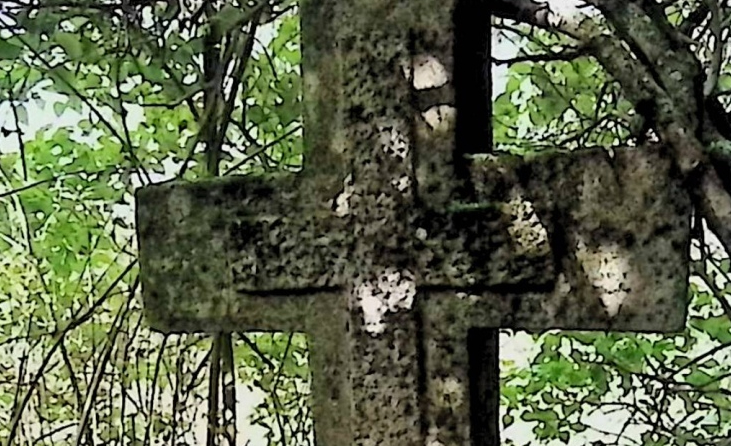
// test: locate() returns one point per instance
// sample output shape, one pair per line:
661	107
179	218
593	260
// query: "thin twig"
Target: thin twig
261	150
104	356
75	322
564	56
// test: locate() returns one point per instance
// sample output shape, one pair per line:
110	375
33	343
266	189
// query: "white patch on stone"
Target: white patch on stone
393	291
563	285
342	200
608	269
428	72
393	142
432	437
401	184
525	228
421	234
440	118
450	391
563	288
340	140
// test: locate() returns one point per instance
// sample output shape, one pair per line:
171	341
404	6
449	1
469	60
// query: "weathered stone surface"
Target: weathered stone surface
580	241
386	252
624	266
620	233
249	235
621	252
224	238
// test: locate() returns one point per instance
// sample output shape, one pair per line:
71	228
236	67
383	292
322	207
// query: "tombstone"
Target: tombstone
399	250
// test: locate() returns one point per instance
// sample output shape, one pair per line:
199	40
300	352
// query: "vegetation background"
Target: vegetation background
148	90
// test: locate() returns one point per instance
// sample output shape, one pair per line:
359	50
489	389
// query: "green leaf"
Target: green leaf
22	114
546	416
92	80
724	83
9	161
71	44
59	107
256	114
698	378
717	327
571	408
63	79
521	68
151	72
507	420
8	51
724	265
675	17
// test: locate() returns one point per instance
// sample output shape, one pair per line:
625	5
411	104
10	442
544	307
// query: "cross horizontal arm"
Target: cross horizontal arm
210	248
619	228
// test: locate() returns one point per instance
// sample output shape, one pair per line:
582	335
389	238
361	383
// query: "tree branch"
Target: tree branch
715	67
545	57
521	11
694	19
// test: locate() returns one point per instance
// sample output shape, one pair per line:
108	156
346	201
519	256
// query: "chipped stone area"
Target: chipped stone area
391	292
440	118
426	71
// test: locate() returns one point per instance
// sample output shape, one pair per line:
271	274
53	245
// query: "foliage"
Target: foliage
76	360
556	96
667	389
129	88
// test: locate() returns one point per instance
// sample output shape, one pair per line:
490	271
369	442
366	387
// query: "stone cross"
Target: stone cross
397	252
